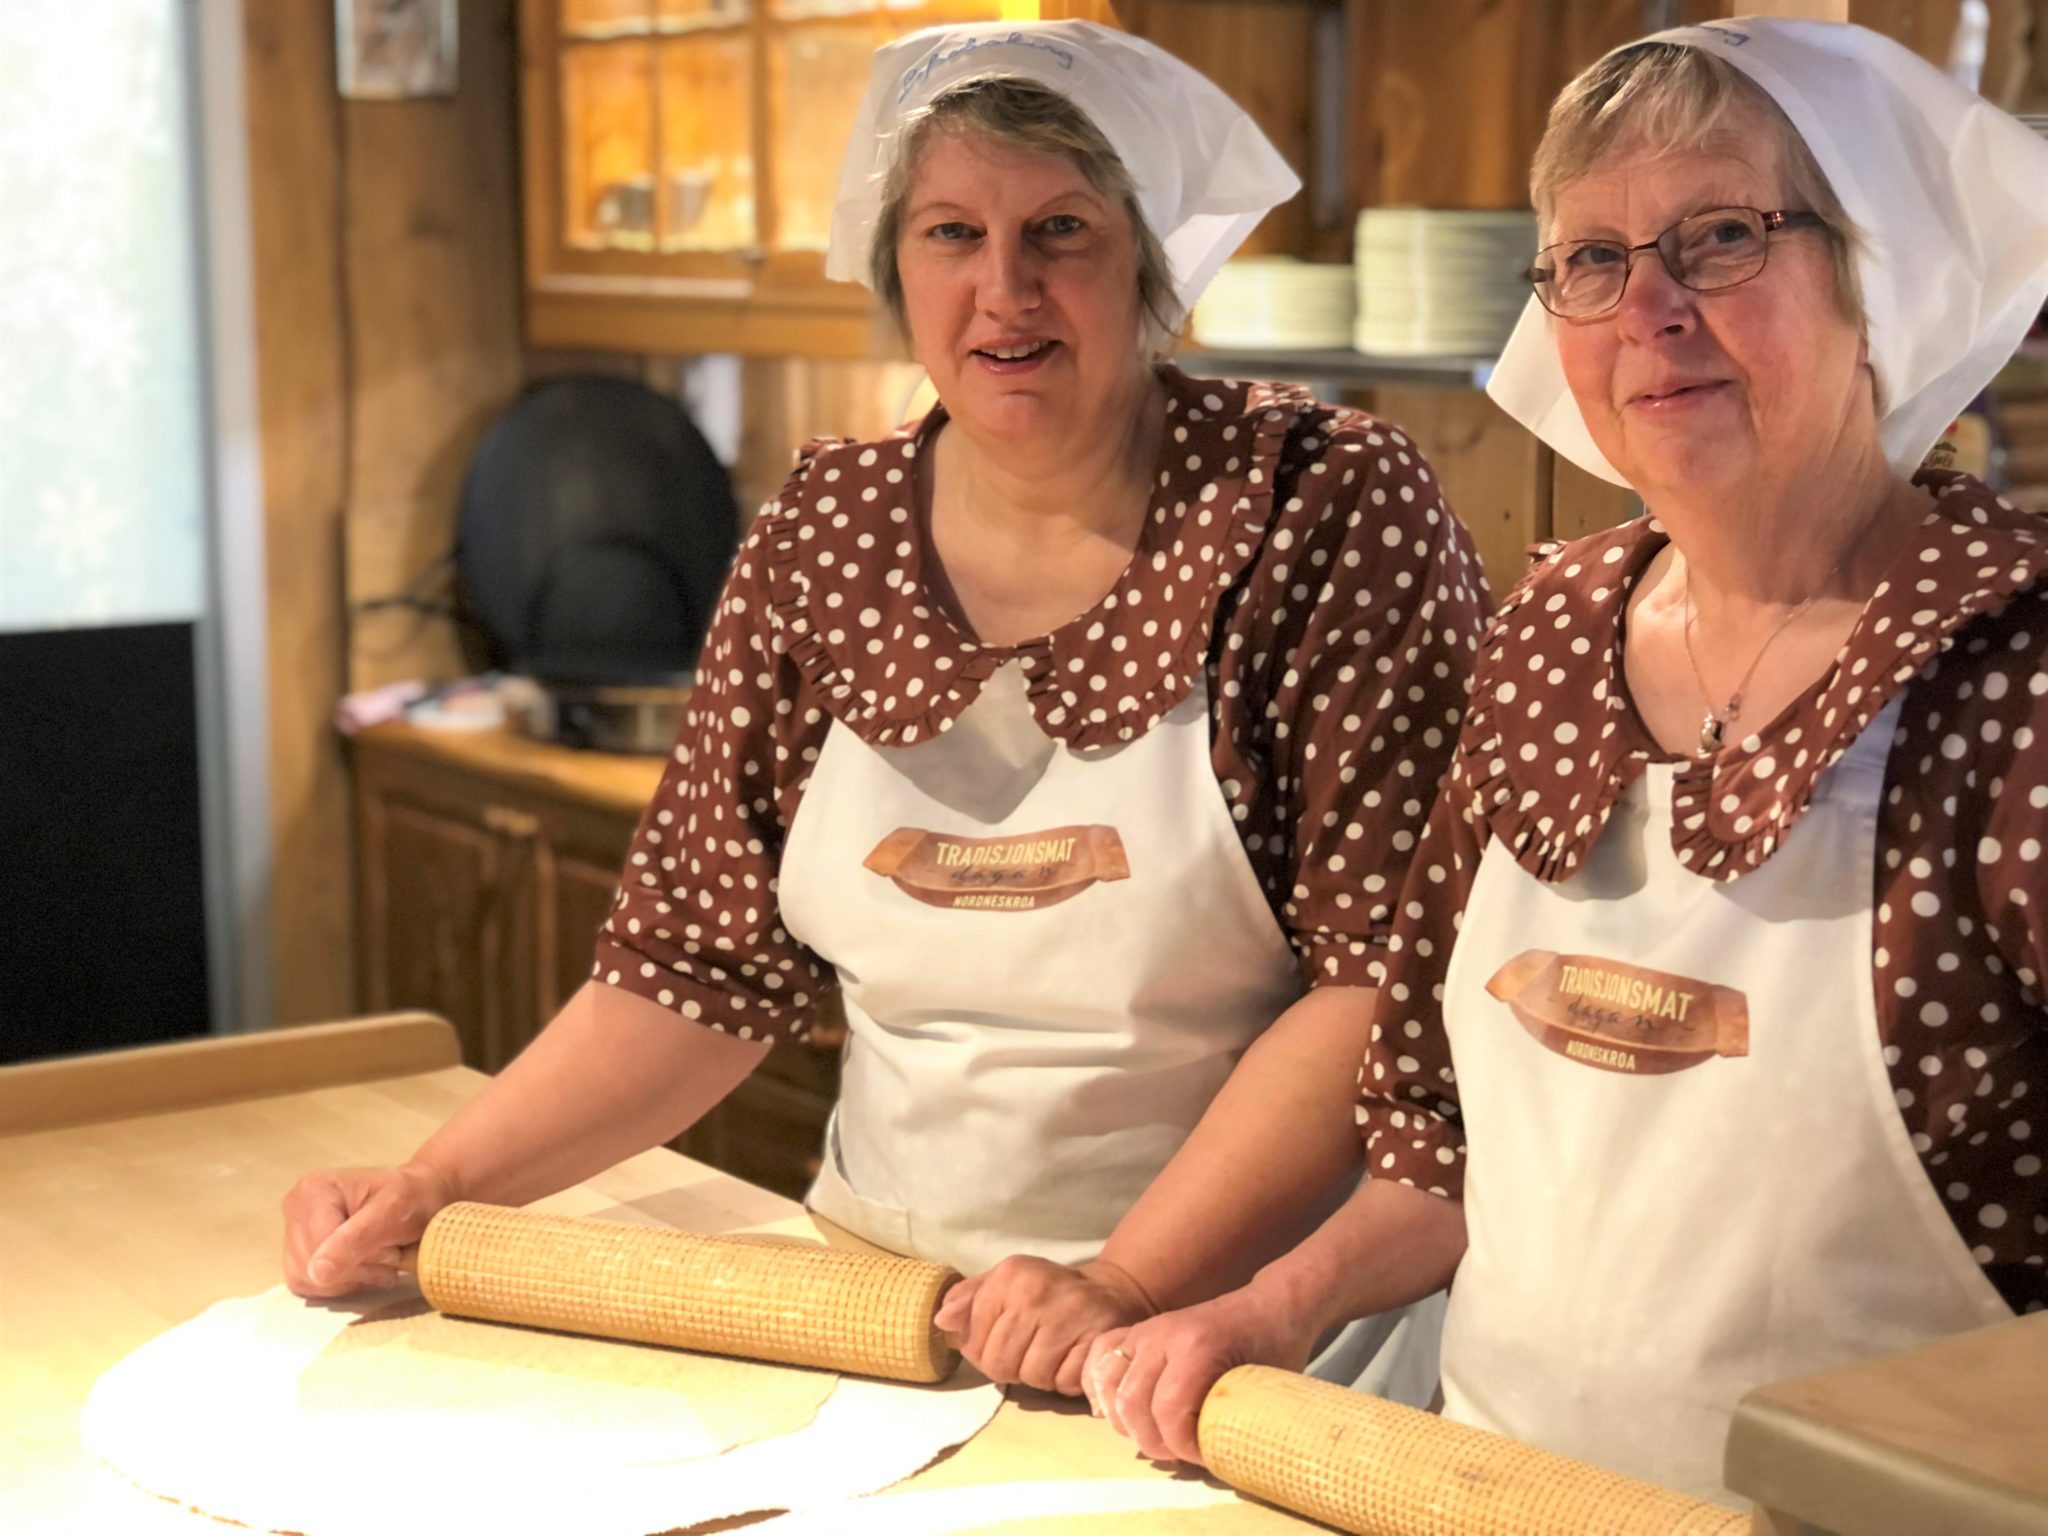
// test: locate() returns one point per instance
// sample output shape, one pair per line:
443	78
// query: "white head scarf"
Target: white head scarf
1205	174
1951	194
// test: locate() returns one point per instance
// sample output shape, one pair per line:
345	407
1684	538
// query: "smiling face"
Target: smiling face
1020	288
1698	391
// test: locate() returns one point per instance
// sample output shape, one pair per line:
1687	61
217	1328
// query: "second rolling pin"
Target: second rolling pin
1375	1468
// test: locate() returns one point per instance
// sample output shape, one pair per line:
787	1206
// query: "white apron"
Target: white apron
1688	1176
1050	959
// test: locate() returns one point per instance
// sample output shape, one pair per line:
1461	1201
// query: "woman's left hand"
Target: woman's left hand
1031	1321
1149	1381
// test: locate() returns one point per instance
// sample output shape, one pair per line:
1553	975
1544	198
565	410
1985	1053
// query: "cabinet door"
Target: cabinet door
583	894
433	933
770	1133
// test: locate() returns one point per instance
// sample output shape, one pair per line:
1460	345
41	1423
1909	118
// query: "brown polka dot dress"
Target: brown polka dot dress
1955	642
1299	562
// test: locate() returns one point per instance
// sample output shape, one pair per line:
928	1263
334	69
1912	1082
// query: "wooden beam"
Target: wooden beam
303	413
430	247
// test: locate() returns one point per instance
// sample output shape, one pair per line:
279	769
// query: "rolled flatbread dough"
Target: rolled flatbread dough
381	1419
488	1392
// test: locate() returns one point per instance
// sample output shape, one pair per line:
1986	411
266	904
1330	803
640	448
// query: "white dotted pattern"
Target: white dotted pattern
1960	944
1334	617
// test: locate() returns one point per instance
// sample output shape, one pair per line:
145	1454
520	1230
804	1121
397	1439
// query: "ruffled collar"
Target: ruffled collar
1552	740
851	609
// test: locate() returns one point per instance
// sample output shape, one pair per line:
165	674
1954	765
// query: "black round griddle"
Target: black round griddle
596	528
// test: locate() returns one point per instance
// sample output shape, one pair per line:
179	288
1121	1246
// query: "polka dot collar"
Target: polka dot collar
846	562
1552	740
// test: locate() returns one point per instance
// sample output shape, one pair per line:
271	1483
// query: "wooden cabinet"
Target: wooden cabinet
680	160
486	864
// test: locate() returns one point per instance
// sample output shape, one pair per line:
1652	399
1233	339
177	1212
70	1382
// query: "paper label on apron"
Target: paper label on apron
1618	1017
1000	874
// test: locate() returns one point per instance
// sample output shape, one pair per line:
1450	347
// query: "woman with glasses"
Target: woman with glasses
1716	995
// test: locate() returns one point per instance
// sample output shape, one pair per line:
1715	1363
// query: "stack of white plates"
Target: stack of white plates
1436	282
1277	301
2038	121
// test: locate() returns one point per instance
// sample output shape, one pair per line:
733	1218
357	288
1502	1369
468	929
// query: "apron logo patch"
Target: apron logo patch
1619	1017
999	874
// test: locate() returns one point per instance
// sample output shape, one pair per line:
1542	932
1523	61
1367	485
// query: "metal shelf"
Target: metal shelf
1337	367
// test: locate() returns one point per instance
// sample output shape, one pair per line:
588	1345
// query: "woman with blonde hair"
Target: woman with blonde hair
1077	735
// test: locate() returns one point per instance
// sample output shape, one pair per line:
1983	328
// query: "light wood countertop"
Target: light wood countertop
611	781
112	1230
115	1229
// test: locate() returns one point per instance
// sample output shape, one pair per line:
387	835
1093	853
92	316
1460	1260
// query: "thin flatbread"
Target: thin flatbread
258	1412
486	1392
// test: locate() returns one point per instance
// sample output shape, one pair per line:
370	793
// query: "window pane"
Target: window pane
608	145
818	71
102	459
707	131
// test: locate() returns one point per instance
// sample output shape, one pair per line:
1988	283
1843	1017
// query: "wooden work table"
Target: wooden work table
151	1189
138	1188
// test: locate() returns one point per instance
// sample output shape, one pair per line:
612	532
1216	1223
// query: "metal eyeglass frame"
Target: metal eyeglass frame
1773	221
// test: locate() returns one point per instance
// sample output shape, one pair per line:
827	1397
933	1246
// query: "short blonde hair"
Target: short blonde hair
1022	114
1670	96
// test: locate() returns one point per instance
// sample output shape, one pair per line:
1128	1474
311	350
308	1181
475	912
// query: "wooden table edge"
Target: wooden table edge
220	1069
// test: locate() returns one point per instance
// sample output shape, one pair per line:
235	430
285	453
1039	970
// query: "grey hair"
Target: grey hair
1022	114
1672	96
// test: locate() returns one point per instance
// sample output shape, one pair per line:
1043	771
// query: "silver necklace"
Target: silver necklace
1713	726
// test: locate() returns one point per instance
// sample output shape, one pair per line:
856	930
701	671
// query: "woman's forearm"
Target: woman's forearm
1275	1152
1388	1245
612	1075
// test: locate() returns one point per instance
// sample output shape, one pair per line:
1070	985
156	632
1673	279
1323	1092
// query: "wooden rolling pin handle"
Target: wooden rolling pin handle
409	1259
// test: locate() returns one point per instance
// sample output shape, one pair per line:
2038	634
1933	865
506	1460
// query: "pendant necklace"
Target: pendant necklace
1714	725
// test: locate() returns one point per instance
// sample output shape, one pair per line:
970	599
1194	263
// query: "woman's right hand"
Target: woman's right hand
343	1227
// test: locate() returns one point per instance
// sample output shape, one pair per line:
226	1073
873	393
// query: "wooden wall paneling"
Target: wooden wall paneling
431	253
1810	10
1581	503
293	204
1493	473
2034	93
1449	99
2009	51
1925	26
1263	57
786	401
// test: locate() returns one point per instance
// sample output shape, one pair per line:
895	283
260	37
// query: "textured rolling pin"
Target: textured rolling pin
796	1303
1376	1468
1352	1461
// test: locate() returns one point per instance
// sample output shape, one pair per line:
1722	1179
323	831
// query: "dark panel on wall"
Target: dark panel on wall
102	909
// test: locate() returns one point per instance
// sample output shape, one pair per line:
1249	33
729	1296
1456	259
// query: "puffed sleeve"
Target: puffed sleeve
696	926
2012	849
1407	1091
1362	620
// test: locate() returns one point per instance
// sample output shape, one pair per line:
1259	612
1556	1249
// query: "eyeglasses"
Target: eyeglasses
1718	249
